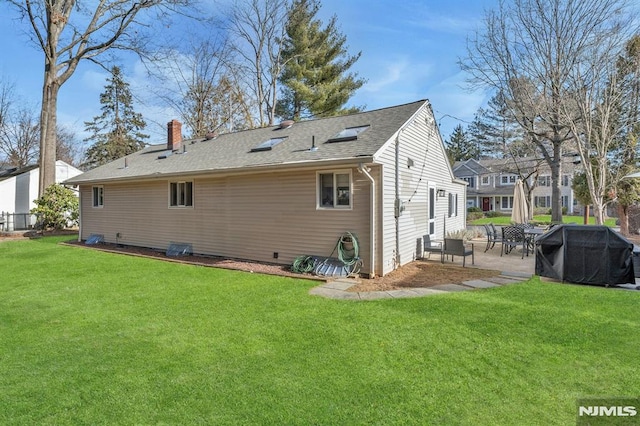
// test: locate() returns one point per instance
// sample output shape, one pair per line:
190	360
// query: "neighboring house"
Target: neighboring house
275	193
491	183
19	189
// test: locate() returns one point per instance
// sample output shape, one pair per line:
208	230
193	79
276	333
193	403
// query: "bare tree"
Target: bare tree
593	114
529	49
207	94
68	148
67	32
259	28
19	137
7	99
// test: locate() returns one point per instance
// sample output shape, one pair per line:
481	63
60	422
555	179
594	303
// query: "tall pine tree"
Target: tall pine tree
497	133
118	130
460	147
315	78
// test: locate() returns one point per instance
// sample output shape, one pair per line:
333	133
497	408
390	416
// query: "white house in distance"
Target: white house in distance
274	193
19	189
491	183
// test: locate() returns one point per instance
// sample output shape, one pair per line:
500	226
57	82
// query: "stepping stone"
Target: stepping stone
427	291
346	295
450	287
524	275
403	293
504	280
373	295
339	285
480	284
327	292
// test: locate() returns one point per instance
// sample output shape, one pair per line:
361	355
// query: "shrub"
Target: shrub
494	214
474	210
474	216
462	234
57	208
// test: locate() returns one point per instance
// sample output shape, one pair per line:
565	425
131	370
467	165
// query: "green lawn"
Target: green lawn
97	338
506	220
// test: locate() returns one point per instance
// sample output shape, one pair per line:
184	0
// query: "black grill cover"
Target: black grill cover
585	254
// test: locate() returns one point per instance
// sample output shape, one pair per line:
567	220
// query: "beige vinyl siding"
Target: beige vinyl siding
421	143
245	216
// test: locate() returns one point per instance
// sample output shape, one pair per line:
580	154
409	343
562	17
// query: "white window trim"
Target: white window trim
319	205
482	178
544	181
169	194
509	202
508	179
93	193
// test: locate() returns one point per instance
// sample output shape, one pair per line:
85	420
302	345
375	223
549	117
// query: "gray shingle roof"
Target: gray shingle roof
469	168
15	171
232	151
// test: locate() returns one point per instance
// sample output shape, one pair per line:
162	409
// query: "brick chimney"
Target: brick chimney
174	135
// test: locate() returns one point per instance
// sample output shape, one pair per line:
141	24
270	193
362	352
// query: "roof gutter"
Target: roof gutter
235	171
372	219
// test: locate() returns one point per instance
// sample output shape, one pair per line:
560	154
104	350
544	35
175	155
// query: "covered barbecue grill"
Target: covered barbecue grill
585	254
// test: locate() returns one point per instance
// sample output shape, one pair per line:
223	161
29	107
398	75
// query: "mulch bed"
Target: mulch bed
415	274
418	273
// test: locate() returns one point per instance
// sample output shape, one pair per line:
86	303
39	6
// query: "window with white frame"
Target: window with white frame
98	196
484	180
542	201
565	180
508	179
544	180
470	181
455	212
181	194
506	203
334	190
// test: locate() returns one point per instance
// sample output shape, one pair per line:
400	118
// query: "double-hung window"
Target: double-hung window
507	203
181	194
334	190
508	179
98	196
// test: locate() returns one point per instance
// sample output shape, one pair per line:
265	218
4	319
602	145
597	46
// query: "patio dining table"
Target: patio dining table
531	234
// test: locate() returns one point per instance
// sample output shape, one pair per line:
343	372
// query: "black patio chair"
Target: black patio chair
492	236
456	247
430	247
513	237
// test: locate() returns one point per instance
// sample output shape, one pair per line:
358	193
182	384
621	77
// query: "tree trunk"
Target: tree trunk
598	212
48	121
556	175
623	216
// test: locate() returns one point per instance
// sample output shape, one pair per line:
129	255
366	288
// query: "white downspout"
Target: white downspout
79	216
372	214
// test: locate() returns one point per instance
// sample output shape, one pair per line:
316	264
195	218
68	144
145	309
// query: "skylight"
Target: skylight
348	134
267	145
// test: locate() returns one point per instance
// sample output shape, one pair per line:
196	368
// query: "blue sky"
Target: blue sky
410	50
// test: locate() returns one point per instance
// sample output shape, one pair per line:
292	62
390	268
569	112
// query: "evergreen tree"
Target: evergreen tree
460	147
315	79
118	130
624	156
497	133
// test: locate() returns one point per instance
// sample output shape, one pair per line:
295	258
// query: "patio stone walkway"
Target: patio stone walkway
337	289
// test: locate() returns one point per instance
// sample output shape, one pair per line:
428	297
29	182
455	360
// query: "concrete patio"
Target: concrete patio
491	259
